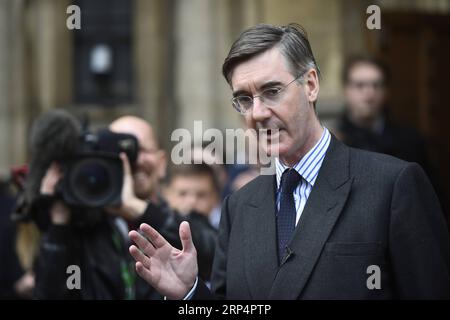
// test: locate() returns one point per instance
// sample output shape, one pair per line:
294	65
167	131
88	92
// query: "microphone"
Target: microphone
54	135
289	253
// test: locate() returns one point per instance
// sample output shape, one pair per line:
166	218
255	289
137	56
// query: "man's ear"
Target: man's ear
311	82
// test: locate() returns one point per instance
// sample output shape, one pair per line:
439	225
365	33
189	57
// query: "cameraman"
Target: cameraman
99	248
142	195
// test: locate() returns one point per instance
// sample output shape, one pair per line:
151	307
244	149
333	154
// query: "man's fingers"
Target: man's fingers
55	170
186	237
142	243
54	166
126	164
51	178
140	257
144	273
157	240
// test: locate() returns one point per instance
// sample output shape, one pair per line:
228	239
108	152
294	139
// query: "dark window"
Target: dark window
102	53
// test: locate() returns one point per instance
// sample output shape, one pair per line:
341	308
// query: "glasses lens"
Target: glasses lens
242	104
270	97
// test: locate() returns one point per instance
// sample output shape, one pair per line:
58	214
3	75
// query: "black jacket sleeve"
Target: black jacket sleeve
418	238
55	255
202	292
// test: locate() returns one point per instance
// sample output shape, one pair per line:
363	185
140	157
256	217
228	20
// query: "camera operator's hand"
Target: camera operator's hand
131	207
170	271
25	285
59	212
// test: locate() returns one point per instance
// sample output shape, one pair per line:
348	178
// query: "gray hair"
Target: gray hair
291	39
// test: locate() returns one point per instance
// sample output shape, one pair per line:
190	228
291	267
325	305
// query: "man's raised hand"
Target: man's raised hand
170	271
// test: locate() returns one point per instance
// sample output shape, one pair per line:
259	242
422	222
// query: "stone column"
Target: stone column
5	89
204	33
18	117
322	19
194	62
153	56
52	44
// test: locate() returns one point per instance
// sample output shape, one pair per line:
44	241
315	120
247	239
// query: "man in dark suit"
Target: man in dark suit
332	223
365	122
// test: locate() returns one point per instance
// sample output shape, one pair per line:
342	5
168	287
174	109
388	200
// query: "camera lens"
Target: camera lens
92	182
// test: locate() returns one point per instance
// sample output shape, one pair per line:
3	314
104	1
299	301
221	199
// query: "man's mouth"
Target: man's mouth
274	132
273	135
140	176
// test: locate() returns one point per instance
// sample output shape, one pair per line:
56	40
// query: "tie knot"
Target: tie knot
289	181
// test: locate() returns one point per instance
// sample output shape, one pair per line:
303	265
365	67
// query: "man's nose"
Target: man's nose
190	200
140	158
370	88
260	111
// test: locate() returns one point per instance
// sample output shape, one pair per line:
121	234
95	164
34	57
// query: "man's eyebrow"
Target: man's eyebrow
266	85
241	93
270	84
147	149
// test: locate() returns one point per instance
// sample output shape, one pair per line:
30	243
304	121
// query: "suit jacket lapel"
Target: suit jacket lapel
261	261
320	214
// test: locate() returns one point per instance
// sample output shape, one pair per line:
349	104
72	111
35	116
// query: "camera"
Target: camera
93	175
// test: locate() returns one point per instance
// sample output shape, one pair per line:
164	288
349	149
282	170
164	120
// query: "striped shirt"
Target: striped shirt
308	167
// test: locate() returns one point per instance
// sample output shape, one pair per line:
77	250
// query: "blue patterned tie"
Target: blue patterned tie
286	214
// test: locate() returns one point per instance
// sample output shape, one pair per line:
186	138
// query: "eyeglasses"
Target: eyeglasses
270	97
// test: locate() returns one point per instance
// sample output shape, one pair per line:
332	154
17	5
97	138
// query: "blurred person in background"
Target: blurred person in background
148	202
16	276
365	123
216	160
243	178
192	187
18	239
193	191
100	247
